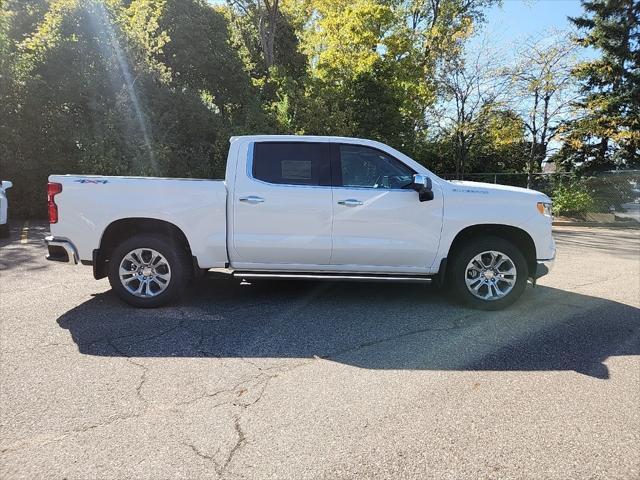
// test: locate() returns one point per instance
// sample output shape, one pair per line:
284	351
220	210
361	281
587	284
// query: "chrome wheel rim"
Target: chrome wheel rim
490	275
144	272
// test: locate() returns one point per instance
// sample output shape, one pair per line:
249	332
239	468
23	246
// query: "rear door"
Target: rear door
379	224
283	206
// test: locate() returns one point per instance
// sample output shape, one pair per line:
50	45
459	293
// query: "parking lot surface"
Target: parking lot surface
321	380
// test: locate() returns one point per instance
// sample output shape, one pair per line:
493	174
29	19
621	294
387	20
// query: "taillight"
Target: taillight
52	190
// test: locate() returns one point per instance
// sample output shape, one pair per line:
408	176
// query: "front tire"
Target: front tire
488	273
148	271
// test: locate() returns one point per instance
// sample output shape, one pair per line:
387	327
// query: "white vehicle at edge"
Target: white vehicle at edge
304	207
4	206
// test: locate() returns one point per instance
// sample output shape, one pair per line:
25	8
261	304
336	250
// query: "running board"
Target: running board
334	277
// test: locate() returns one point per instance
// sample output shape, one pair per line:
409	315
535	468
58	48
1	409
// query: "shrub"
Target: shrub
571	199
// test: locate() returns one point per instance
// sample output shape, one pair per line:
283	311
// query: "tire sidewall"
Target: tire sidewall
470	249
171	252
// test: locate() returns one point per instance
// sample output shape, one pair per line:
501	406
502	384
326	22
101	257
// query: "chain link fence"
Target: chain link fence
612	196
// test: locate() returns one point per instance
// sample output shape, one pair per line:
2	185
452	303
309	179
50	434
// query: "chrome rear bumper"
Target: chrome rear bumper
61	250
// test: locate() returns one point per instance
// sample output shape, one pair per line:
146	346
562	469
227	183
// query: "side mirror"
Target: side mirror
422	185
6	184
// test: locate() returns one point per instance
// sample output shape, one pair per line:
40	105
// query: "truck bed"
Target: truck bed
88	204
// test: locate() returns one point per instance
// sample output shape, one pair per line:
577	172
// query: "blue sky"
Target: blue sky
521	17
517	20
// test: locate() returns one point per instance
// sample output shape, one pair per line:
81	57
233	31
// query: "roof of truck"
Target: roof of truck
309	138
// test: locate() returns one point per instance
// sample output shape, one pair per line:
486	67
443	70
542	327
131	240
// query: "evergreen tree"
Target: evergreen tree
607	132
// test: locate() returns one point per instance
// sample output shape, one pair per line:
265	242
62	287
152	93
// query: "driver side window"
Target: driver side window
365	167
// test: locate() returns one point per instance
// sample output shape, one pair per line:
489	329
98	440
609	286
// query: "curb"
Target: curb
629	225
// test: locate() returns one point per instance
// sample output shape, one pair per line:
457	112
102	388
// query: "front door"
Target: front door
282	206
378	223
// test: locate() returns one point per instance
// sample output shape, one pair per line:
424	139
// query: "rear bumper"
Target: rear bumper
543	267
61	250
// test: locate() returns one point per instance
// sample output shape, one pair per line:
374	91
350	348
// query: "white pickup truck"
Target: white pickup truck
303	207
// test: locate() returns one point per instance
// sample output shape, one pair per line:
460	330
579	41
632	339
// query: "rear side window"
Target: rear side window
292	163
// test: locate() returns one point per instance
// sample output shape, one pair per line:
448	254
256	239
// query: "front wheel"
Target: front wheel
148	271
488	273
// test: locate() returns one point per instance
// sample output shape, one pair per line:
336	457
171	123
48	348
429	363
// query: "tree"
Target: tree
500	145
188	42
607	132
265	17
373	105
440	27
107	87
472	88
395	44
544	91
156	87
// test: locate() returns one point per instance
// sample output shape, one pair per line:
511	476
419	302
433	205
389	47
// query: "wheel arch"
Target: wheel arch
515	235
120	230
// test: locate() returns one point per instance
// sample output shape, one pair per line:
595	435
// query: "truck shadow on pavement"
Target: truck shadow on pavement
375	326
14	255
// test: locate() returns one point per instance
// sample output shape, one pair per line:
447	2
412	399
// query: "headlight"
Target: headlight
544	208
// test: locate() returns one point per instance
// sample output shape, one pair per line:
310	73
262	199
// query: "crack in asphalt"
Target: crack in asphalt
457	325
216	394
241	436
600	280
220	469
153	337
56	438
35	348
143	376
240	441
217	467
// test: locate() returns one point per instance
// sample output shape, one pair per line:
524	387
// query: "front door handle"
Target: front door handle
252	199
350	202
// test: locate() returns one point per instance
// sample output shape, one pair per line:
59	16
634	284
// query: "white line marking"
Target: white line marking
24	234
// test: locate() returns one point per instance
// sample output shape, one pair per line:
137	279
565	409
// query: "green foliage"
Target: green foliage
500	144
146	88
157	87
571	199
607	131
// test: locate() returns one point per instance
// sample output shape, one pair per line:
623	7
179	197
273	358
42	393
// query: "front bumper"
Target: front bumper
543	267
61	250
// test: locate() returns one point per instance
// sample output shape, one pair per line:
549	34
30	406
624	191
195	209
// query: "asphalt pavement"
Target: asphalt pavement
322	380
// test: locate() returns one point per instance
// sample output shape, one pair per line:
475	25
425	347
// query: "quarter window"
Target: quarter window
365	167
292	163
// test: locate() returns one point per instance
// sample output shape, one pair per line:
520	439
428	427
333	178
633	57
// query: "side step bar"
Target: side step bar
334	277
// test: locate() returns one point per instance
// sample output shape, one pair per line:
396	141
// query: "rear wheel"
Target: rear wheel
148	271
488	273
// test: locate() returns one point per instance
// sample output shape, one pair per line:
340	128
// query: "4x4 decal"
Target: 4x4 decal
96	182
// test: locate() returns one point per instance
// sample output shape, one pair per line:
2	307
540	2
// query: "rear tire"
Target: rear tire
488	273
149	271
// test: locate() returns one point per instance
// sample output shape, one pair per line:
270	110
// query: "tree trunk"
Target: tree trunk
267	30
531	162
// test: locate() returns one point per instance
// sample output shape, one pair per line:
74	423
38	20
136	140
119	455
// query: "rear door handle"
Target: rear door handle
350	202
252	199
